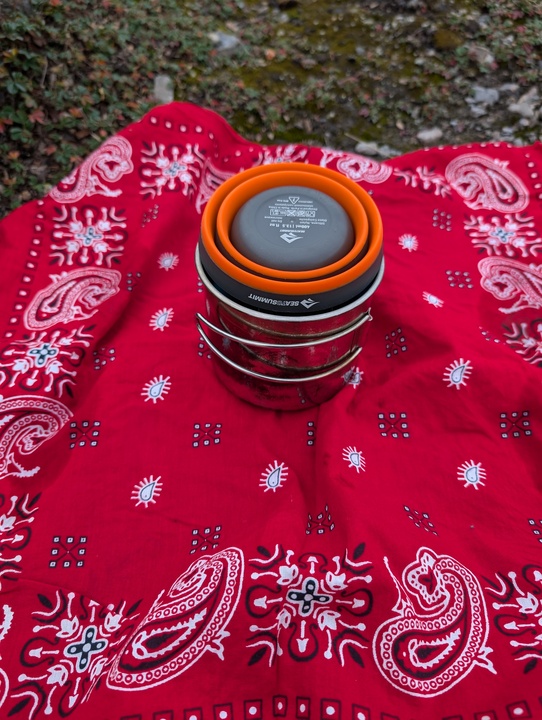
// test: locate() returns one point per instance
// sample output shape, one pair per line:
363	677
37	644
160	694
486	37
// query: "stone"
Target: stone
223	42
386	151
484	95
525	109
482	56
430	135
367	148
478	110
163	89
509	87
531	96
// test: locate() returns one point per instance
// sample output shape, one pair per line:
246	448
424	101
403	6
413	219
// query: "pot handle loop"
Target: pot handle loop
201	320
271	378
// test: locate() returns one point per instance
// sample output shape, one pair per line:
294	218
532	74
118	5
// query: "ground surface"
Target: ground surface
394	74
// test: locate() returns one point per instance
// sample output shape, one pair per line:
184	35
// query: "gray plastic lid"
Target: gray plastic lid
292	228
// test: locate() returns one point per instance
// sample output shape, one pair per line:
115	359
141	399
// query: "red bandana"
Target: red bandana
170	552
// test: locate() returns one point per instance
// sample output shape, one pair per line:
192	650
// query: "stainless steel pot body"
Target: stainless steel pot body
283	362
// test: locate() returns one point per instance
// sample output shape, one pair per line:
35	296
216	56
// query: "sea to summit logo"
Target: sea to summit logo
293	199
308	303
290	237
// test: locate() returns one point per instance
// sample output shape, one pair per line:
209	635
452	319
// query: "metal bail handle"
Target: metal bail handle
271	378
200	319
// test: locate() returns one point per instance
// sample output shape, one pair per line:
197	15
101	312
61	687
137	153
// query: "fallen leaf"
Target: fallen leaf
38	116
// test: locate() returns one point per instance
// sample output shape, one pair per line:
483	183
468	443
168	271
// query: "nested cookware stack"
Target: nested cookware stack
290	255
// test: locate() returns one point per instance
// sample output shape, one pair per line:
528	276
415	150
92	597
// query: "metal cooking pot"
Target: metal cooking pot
284	333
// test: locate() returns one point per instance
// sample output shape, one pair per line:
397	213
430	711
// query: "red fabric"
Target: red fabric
169	552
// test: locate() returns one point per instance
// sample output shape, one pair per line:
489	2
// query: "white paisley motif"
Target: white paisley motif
183	624
282	154
441	628
356	167
73	295
507	279
170	168
107	164
528	346
25	423
211	178
4	628
484	182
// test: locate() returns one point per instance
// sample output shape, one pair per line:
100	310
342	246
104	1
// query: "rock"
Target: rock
482	56
531	96
509	87
484	96
429	136
372	149
526	110
386	151
478	110
163	89
367	148
526	105
223	41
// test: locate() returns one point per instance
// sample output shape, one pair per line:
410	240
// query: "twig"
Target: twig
353	137
44	73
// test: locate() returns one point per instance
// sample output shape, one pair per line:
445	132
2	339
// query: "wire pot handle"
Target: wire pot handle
271	378
201	320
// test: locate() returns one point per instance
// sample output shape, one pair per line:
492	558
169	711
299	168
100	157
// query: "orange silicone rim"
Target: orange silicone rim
276	286
248	189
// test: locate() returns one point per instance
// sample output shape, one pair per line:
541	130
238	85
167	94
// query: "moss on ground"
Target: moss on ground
73	72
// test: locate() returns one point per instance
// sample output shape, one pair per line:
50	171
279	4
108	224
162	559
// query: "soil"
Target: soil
380	77
337	72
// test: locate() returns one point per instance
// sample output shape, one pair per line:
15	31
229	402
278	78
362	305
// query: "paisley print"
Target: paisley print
484	182
441	628
526	339
517	600
357	167
211	178
74	639
73	295
44	361
88	235
106	165
508	279
4	628
183	624
309	607
25	423
170	169
16	524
